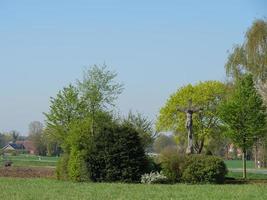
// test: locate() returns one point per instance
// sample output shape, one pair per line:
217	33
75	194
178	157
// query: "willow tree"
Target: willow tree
205	95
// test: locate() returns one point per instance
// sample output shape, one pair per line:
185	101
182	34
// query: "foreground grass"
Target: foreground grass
22	189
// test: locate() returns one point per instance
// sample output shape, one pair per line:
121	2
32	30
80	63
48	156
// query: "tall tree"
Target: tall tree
99	90
65	108
37	137
251	56
206	95
244	115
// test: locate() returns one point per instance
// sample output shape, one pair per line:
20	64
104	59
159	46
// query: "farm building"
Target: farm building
26	146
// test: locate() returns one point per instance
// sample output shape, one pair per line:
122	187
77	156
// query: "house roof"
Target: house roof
14	146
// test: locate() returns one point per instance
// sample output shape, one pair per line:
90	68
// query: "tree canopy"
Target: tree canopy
206	95
244	114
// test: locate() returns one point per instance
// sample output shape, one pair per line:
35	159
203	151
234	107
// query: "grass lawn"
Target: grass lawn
30	160
250	176
22	189
233	164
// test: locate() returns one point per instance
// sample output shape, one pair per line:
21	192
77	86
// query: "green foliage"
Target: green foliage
98	88
203	169
143	126
77	170
116	154
244	114
152	165
65	108
171	164
62	167
206	95
251	56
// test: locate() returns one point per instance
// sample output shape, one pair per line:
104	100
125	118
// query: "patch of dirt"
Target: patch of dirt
27	172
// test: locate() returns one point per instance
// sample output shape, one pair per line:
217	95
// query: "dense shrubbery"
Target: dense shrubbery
192	168
204	169
116	154
171	164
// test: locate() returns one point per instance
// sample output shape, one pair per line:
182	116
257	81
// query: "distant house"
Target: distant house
26	146
13	147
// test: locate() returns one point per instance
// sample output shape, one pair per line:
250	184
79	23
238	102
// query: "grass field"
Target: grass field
233	164
23	160
27	189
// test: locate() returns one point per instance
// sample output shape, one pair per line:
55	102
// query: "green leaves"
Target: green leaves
244	114
206	95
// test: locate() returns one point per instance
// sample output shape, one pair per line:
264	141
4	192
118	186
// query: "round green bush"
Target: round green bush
116	154
203	169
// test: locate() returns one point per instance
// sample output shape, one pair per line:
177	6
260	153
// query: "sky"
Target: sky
155	46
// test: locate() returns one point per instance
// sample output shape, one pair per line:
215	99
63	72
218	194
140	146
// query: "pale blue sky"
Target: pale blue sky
155	47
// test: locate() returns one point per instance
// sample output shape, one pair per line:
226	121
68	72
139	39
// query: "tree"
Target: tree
162	142
37	137
15	135
65	108
143	126
251	56
244	115
205	95
99	90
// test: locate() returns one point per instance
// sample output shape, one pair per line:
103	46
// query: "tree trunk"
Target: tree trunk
244	164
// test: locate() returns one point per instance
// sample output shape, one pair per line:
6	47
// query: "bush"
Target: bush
77	170
154	178
204	169
152	165
62	167
116	154
171	164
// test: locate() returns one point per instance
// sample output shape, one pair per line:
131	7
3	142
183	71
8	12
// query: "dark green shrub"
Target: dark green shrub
77	170
152	165
204	169
171	163
116	154
62	167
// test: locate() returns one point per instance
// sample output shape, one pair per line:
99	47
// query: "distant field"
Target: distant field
32	160
24	160
27	189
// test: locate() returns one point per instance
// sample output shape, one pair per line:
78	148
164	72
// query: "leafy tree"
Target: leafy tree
251	56
37	137
99	90
143	126
65	108
15	135
206	95
244	115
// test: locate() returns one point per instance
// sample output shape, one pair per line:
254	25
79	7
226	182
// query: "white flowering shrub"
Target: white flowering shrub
154	178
